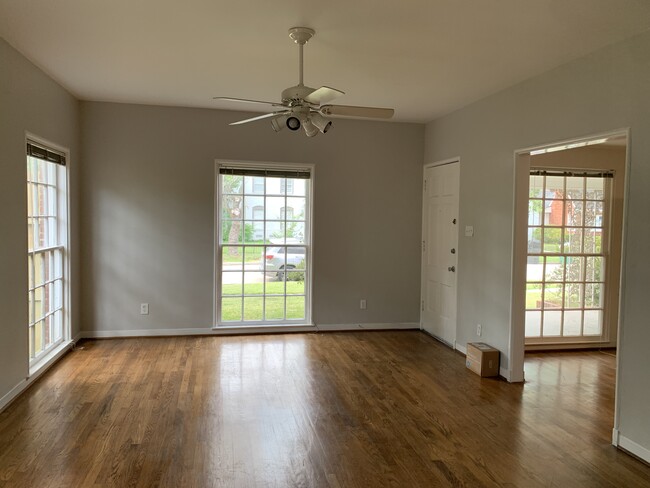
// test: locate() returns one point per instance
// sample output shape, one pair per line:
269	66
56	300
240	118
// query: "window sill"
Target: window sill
264	328
43	364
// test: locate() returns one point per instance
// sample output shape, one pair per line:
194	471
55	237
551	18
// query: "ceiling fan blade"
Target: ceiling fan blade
245	100
350	111
323	95
259	117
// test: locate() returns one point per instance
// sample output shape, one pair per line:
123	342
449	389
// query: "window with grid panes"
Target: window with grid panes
46	254
567	253
263	246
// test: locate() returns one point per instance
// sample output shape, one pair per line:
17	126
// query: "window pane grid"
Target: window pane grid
263	249
44	316
566	260
45	257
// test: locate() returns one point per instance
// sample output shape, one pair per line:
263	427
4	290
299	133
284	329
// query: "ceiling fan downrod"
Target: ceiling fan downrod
301	36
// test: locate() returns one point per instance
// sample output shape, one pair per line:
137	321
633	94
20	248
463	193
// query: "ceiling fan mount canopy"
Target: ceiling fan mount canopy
306	106
301	35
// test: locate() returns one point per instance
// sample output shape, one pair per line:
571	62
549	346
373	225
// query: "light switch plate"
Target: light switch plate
469	231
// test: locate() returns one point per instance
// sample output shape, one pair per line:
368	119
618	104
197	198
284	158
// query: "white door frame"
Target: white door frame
423	237
515	372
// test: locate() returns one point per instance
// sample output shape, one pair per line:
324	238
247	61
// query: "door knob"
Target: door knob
452	269
453	250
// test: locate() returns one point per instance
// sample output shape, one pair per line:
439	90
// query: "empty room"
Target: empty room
356	244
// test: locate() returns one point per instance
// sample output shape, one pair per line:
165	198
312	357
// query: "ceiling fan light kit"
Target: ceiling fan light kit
293	123
306	107
279	122
321	122
310	129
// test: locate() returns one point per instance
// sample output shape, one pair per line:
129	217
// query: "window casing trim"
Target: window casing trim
272	169
63	153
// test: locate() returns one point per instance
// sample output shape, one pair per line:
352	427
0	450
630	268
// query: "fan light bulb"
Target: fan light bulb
293	123
310	129
280	122
321	122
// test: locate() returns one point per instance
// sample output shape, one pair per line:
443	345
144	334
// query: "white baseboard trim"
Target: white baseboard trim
222	330
460	348
13	393
615	437
505	373
22	385
228	330
374	326
441	341
632	447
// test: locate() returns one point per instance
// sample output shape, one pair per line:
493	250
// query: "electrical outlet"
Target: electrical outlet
479	330
144	309
362	304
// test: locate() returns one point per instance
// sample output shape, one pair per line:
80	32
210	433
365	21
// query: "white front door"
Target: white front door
440	251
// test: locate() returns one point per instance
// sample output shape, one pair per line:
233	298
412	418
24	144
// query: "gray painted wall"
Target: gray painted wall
32	102
147	194
606	90
147	197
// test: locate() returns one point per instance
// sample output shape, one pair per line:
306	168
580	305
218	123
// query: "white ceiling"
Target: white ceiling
425	58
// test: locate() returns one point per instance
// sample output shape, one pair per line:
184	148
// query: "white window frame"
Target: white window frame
63	231
309	193
604	254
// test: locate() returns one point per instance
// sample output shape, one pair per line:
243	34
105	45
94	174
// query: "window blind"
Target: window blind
40	152
302	173
587	174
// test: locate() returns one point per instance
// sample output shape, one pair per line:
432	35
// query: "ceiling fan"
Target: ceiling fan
306	107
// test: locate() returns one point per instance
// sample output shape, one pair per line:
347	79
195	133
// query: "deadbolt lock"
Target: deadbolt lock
453	251
451	268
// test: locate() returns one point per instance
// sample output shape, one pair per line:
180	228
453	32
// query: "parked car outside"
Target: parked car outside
275	262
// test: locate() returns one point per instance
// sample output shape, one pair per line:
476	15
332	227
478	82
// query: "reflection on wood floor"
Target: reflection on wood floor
345	410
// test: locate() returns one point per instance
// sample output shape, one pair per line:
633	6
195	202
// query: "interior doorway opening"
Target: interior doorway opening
567	259
573	247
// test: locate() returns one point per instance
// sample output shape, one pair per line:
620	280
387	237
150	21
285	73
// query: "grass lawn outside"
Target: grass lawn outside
231	306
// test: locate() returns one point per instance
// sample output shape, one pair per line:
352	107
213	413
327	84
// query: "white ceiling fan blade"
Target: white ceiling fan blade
245	100
323	95
350	111
253	119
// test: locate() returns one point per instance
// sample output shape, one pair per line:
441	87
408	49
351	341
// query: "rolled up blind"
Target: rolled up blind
40	152
301	173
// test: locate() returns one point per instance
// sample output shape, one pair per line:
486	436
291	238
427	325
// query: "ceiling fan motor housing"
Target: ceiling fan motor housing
296	94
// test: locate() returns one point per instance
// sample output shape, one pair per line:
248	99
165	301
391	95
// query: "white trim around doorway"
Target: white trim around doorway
517	340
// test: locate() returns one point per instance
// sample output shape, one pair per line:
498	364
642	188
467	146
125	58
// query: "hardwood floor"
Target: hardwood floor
346	410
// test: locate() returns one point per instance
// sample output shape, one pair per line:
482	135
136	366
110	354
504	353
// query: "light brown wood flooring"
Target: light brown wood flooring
348	410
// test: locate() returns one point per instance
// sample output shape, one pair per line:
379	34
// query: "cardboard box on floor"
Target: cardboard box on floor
482	359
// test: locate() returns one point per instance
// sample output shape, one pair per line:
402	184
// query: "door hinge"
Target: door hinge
423	305
425	185
424	247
